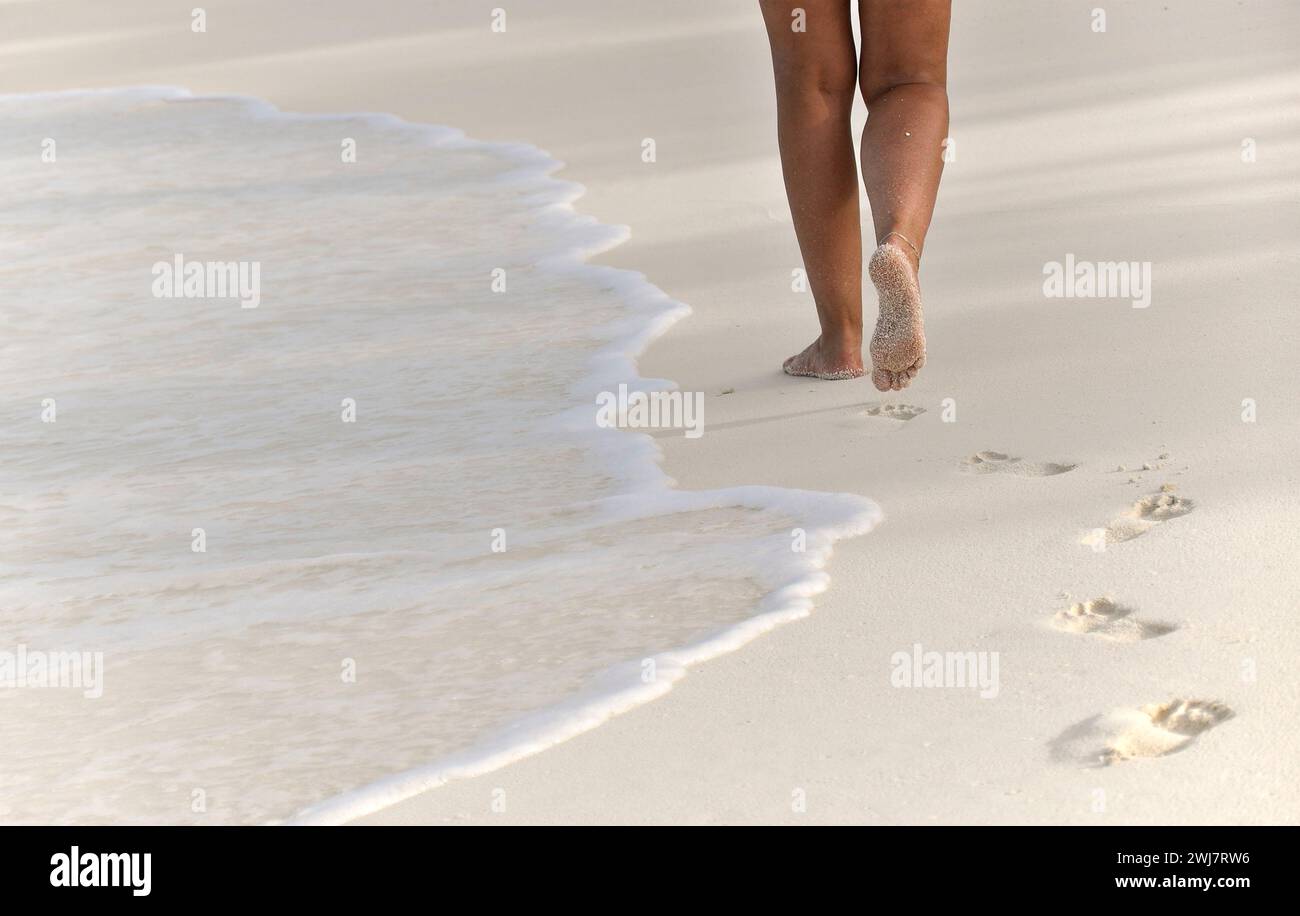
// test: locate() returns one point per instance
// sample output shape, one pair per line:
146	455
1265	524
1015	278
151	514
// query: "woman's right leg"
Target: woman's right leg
816	69
904	73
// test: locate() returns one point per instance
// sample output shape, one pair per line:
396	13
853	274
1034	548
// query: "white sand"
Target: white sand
1124	145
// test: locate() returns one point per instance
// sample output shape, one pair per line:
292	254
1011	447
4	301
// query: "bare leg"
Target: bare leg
816	76
903	76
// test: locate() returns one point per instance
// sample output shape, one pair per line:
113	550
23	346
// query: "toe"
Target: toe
880	378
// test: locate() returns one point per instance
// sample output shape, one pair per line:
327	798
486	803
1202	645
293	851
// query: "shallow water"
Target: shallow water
348	620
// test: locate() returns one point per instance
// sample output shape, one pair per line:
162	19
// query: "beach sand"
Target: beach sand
1117	146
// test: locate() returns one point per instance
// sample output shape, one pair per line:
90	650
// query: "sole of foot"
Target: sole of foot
898	344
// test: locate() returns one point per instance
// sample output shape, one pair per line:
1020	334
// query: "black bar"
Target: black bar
224	865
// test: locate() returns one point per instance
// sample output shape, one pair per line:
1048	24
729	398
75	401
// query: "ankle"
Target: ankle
843	341
902	243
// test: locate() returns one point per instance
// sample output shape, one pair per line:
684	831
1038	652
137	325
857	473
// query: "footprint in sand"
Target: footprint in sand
901	412
1105	619
1140	518
1151	731
998	463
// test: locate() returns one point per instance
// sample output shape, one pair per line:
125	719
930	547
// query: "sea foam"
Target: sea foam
363	537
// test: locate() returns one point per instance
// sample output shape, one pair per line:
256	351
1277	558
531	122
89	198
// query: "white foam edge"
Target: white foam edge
631	457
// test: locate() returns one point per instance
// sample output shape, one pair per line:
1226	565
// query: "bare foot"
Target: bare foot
898	345
826	362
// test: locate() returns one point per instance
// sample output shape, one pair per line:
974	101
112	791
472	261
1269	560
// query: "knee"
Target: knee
874	85
804	75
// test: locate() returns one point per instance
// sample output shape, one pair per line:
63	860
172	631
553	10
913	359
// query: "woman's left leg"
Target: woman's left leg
816	68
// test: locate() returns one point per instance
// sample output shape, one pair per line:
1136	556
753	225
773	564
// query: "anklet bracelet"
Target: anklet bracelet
905	239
